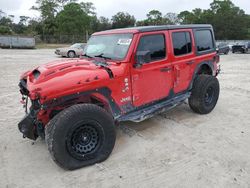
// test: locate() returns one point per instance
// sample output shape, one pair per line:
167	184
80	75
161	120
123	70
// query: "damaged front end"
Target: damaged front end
29	126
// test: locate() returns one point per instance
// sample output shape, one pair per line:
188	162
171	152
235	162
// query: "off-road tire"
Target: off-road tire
59	129
200	101
71	54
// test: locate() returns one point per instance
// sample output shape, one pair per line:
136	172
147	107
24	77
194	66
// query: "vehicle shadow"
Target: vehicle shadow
180	116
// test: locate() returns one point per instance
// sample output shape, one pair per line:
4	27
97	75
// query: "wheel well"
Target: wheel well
87	99
96	101
205	69
102	102
70	51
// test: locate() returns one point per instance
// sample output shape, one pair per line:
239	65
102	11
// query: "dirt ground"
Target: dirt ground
176	149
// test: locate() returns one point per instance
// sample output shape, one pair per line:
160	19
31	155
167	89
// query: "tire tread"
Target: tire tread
53	125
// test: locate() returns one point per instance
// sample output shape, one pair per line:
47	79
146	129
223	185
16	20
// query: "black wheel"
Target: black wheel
204	94
80	135
71	54
226	52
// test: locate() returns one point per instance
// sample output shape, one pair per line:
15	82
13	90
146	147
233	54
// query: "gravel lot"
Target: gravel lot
176	149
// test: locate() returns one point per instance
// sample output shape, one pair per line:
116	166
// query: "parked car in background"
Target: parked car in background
248	45
223	48
240	47
230	45
73	51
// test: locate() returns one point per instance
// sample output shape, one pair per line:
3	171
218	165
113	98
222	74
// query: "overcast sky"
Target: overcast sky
107	8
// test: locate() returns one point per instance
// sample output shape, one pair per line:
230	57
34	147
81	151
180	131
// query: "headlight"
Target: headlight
23	87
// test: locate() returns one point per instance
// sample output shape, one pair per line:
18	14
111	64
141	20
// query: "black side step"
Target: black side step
149	111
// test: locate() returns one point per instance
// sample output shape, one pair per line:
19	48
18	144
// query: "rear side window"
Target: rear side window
204	40
155	44
182	43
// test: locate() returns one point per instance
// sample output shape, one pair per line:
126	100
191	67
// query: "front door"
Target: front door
152	80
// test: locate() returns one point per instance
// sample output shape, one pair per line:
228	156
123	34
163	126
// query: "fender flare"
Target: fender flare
103	94
198	67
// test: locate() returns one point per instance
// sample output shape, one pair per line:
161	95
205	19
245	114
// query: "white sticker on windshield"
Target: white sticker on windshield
124	41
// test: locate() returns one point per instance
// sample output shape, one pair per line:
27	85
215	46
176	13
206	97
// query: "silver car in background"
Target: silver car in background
73	51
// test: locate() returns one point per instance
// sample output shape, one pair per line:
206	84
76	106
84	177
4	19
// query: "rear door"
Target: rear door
182	58
153	80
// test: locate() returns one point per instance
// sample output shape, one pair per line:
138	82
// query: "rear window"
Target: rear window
181	43
204	40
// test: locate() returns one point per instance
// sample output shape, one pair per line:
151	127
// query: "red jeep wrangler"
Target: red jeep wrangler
124	75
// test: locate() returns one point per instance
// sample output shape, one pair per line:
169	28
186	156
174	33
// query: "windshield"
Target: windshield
114	46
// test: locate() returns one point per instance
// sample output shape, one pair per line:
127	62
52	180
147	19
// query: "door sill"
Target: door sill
151	110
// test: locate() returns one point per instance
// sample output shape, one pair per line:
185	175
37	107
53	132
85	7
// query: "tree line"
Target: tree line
69	17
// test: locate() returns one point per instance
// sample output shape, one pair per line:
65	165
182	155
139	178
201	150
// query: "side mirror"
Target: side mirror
141	58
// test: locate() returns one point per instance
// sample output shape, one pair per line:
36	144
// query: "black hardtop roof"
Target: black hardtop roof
169	27
159	28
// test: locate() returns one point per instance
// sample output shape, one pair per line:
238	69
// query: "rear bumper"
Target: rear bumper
27	127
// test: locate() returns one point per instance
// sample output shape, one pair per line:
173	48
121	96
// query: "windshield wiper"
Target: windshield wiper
100	63
102	56
85	55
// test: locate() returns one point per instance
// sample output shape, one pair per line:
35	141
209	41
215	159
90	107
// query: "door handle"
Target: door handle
166	69
190	63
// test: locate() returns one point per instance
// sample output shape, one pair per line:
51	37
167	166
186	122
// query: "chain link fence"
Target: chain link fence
232	41
61	39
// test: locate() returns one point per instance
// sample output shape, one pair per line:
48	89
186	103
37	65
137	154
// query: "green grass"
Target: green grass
50	46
